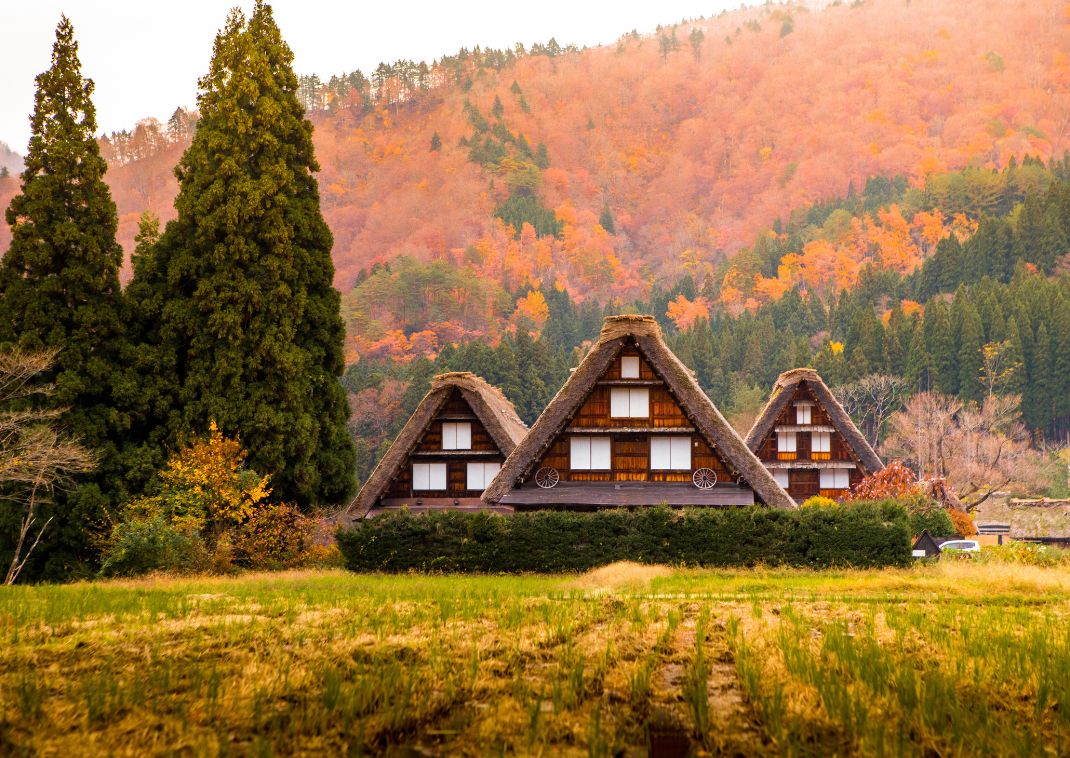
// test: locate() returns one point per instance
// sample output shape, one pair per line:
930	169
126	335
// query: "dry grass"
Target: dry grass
621	575
944	659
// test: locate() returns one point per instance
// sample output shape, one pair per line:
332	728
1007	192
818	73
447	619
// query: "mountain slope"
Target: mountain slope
694	145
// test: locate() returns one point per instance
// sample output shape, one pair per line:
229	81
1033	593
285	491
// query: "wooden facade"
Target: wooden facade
430	451
452	446
631	427
807	441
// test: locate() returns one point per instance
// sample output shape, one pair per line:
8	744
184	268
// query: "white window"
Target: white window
629	402
670	453
481	474
782	477
802	413
429	476
590	453
785	442
456	436
821	442
835	478
629	367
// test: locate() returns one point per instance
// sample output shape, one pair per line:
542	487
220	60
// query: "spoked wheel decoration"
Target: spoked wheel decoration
704	478
547	477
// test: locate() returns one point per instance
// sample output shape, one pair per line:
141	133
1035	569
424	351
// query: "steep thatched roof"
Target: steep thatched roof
784	390
492	408
1039	519
680	380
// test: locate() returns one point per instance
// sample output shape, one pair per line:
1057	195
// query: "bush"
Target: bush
274	536
963	522
817	501
862	534
893	481
153	544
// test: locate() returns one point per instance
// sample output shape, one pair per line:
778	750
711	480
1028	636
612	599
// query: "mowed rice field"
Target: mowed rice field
946	659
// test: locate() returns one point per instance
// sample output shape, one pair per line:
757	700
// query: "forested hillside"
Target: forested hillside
601	171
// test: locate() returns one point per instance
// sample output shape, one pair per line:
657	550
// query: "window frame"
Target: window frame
483	473
431	466
629	367
454	428
632	394
677	444
782	439
577	441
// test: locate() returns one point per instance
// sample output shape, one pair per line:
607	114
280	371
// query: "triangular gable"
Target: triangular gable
787	386
642	331
487	403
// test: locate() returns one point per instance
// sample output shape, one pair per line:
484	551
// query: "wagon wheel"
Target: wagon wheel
704	478
547	477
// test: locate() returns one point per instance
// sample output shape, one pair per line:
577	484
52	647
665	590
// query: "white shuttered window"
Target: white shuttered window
456	436
590	454
802	413
782	477
429	476
670	453
629	367
835	478
481	474
629	402
785	442
821	442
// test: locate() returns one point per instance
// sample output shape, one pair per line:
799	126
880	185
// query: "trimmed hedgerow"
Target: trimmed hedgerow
860	535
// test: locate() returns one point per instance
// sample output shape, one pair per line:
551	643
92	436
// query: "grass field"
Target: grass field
942	659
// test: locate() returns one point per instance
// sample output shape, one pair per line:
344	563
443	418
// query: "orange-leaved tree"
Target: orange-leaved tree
206	486
894	481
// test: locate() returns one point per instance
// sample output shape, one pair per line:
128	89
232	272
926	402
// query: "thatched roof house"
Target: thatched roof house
632	427
450	448
1040	520
805	437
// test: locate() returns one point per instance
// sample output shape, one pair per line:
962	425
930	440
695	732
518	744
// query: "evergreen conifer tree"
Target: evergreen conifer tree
59	290
971	341
249	311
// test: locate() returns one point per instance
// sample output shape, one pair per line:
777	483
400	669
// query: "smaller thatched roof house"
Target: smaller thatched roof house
631	427
451	447
1042	520
807	440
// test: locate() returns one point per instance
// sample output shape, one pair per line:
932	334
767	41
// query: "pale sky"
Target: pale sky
145	55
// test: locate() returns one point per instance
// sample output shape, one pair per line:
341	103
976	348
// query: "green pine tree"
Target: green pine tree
250	314
971	340
605	220
59	290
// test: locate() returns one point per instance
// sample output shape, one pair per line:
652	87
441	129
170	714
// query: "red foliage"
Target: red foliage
894	481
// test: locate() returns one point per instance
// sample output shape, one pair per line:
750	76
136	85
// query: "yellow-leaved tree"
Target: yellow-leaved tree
206	486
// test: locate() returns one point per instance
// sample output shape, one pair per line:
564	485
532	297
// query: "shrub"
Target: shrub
893	481
963	522
871	534
274	536
153	544
817	501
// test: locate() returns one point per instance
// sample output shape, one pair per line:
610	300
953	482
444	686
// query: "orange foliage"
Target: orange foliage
684	313
693	152
533	309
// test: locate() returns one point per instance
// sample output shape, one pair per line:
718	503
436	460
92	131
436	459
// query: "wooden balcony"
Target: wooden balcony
782	456
816	456
834	494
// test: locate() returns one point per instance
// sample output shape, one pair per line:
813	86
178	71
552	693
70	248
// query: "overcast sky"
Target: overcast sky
145	55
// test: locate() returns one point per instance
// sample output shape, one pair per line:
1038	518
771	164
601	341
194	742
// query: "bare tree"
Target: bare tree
978	449
35	458
871	401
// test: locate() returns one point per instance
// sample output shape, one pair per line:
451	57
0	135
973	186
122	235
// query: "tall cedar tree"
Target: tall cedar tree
249	317
59	289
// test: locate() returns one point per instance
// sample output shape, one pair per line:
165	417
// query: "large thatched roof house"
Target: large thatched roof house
447	452
632	427
807	440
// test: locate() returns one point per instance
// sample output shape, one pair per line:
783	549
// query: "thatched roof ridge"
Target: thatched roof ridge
489	404
644	330
784	390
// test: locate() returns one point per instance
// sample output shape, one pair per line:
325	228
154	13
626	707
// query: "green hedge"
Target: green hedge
867	535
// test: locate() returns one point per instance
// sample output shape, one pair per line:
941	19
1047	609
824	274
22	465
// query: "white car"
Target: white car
964	546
